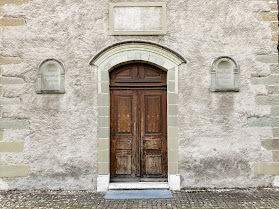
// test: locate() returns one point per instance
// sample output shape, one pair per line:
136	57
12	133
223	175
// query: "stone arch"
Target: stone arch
123	53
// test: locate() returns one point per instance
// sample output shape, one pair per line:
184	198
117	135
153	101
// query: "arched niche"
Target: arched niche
138	52
51	77
224	75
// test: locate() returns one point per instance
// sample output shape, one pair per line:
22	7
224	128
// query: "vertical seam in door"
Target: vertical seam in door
139	135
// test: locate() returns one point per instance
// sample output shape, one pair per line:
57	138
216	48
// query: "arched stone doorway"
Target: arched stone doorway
135	52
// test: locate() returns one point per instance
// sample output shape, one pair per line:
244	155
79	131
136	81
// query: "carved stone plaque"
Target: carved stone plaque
141	18
224	75
51	77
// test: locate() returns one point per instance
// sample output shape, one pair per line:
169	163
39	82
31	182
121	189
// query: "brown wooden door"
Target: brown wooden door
138	122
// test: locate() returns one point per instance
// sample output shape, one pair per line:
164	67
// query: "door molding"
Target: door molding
123	53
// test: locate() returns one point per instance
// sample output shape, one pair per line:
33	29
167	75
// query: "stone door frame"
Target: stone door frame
123	53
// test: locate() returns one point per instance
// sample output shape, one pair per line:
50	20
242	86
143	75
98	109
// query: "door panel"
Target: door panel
124	132
153	133
153	114
123	113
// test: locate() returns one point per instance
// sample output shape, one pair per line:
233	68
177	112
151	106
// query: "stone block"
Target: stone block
172	98
103	183
13	124
103	156
104	122
272	79
104	76
275	132
171	86
266	168
11	80
263	122
274	26
9	101
16	2
172	156
174	181
173	168
11	146
104	144
274	36
272	58
267	100
172	132
274	69
173	143
9	60
11	21
171	75
273	6
105	87
103	99
275	155
172	109
103	168
275	111
273	89
103	111
271	144
1	135
269	16
13	171
104	132
173	121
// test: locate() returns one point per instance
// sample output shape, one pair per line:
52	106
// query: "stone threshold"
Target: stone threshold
138	185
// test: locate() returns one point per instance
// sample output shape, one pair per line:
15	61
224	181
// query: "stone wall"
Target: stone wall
226	139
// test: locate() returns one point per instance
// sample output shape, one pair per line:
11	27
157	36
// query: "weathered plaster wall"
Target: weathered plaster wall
217	148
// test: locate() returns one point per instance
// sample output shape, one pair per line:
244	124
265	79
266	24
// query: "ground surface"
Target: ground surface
220	198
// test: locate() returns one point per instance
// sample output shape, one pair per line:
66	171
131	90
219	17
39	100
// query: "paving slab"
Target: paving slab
189	198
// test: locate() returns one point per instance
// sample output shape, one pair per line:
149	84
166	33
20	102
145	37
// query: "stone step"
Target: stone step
138	185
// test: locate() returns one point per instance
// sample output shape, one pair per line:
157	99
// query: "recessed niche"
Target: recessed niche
224	75
51	77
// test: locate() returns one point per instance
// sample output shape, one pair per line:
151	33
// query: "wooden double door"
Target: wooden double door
138	125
